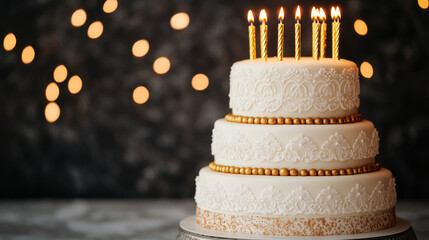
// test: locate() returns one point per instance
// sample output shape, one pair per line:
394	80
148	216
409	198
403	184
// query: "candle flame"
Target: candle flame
250	18
335	13
263	16
315	15
322	15
281	14
338	12
298	14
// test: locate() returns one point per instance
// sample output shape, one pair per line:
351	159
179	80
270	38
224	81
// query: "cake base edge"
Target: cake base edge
190	230
296	226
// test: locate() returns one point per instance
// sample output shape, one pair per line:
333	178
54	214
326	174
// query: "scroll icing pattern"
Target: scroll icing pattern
212	196
236	147
297	90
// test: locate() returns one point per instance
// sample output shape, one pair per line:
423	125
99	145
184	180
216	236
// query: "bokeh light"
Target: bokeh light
95	30
9	42
360	27
110	6
200	82
424	4
140	95
28	54
161	65
366	70
179	21
52	92
52	112
75	84
60	73
140	48
78	18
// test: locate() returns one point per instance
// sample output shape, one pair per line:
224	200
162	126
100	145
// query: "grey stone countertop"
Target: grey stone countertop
127	219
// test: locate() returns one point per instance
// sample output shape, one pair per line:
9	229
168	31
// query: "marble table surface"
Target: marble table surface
126	219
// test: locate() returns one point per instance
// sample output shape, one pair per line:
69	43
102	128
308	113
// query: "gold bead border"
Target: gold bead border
372	167
288	120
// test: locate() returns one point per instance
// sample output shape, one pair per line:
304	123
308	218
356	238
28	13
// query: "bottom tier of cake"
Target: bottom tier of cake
295	205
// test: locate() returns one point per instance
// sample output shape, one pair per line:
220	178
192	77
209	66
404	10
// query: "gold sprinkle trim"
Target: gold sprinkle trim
289	121
372	167
296	226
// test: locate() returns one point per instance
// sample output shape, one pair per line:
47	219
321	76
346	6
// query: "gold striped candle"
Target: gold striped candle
316	33
280	37
264	35
298	34
252	36
323	33
336	16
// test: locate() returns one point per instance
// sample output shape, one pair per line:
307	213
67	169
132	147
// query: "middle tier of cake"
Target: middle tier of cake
334	146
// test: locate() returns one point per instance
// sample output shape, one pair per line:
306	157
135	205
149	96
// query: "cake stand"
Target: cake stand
190	230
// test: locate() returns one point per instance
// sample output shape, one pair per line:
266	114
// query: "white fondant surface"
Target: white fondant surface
332	146
295	195
290	88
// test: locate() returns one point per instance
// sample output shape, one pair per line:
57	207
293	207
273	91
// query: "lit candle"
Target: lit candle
264	35
316	32
252	36
336	17
280	37
323	33
297	34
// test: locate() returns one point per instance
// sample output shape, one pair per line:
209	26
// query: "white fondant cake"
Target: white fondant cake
295	146
290	88
277	205
309	177
295	196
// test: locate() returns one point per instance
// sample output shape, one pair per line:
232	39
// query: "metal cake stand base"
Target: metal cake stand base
190	230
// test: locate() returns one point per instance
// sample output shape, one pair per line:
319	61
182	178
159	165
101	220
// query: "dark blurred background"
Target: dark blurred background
105	145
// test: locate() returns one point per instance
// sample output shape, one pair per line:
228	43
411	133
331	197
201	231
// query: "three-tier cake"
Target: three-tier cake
295	157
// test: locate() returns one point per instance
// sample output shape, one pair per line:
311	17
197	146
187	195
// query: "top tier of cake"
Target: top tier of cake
297	89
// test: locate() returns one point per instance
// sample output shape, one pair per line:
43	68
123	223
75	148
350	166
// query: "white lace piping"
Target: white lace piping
268	90
266	148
